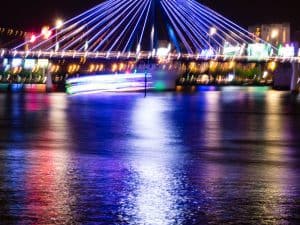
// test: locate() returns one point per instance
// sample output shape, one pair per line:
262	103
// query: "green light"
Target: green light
160	86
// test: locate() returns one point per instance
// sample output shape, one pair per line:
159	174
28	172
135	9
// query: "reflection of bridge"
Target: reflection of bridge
131	29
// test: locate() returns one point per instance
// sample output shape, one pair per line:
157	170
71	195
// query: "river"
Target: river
211	157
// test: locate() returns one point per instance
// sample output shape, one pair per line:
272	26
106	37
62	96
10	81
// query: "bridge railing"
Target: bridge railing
138	56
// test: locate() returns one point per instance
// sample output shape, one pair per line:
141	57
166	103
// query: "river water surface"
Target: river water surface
215	157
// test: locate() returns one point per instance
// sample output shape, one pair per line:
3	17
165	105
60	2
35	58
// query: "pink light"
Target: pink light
107	78
32	38
108	83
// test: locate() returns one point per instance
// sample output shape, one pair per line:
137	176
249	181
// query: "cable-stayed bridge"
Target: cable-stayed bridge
129	27
134	30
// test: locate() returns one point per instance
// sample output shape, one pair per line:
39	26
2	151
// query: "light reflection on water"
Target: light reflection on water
155	199
212	157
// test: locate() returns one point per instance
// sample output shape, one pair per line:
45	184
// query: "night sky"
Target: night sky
30	15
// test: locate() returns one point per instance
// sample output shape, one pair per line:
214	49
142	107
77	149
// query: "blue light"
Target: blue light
117	25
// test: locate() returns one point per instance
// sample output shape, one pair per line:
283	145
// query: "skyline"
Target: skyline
45	13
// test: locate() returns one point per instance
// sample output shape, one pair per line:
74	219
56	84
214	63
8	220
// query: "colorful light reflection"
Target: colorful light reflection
109	83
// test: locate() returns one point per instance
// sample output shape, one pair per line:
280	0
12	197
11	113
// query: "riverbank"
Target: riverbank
42	88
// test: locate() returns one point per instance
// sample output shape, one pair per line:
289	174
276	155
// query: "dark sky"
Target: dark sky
30	15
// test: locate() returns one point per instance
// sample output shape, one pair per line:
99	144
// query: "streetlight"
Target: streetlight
58	25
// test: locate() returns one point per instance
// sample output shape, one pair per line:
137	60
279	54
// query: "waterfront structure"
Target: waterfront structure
274	33
128	32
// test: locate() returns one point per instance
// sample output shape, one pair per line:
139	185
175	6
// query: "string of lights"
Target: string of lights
12	32
121	25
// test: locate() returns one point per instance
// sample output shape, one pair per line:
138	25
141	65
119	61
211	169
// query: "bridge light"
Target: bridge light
46	32
121	66
212	31
91	68
114	67
86	45
101	67
192	65
59	23
138	48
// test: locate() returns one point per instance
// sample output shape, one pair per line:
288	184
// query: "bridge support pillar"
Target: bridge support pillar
49	83
294	79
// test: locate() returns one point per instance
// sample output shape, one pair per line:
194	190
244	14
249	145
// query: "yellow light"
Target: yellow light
231	65
59	24
114	67
54	68
101	67
192	65
35	68
213	65
272	65
121	67
92	68
274	33
46	32
77	68
73	68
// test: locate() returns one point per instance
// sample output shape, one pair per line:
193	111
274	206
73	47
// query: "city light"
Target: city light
29	63
274	33
286	51
272	66
59	23
259	51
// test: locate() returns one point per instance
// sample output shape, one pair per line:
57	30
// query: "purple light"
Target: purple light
194	22
114	25
134	30
181	36
108	83
111	22
111	8
97	10
125	29
117	26
190	23
112	18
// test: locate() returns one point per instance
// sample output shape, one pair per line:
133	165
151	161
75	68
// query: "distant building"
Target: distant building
276	34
